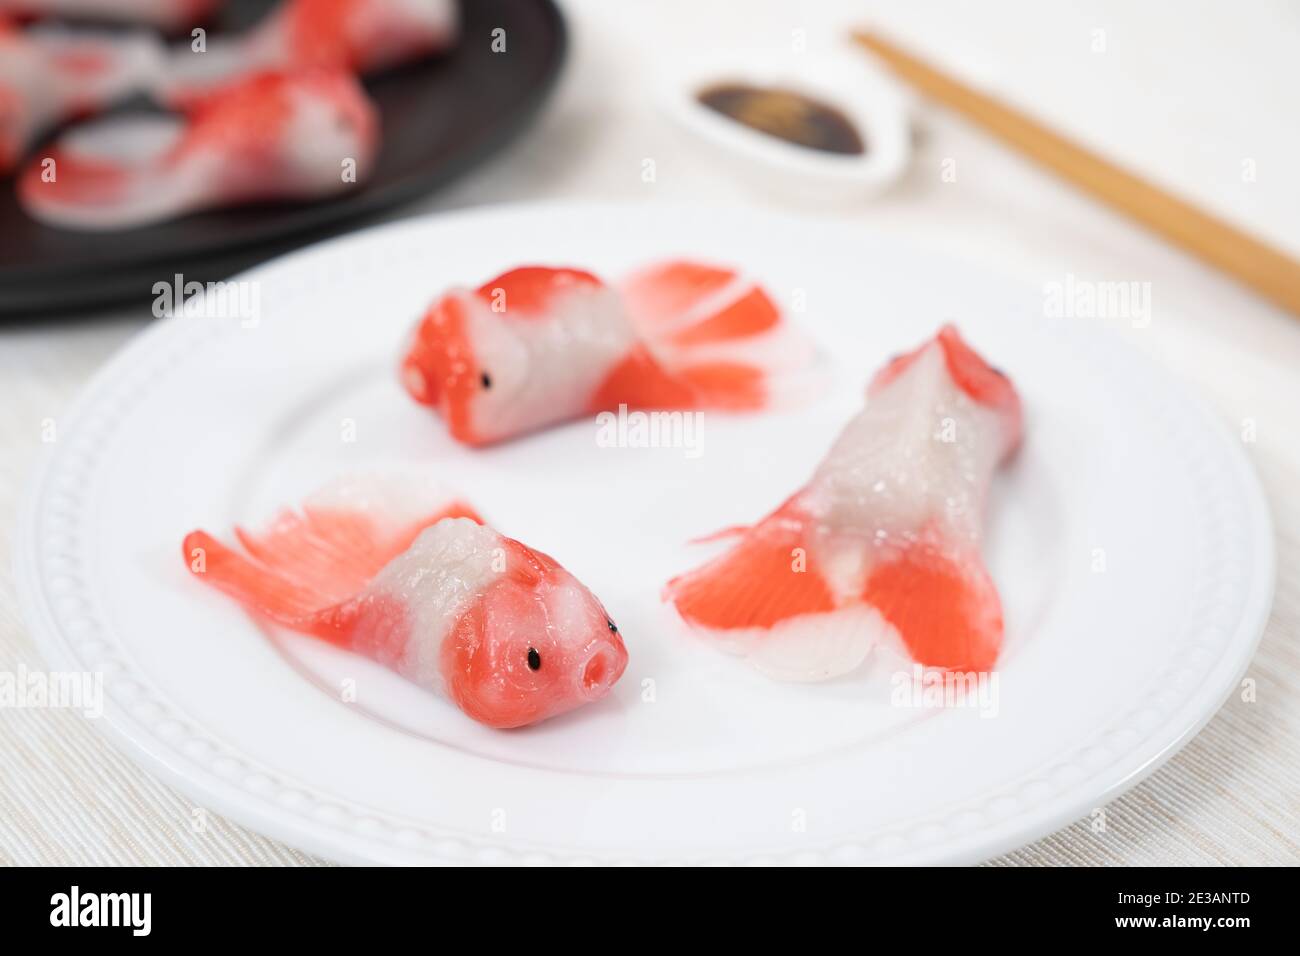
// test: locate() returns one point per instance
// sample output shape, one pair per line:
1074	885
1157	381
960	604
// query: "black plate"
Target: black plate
439	117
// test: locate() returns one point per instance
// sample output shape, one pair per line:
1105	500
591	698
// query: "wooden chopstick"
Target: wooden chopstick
1263	268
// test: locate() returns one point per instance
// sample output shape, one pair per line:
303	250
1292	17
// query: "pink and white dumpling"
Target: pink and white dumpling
272	137
167	15
414	580
363	36
52	75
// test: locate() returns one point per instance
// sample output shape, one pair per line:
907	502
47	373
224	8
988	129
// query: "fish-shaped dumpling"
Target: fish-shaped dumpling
275	136
361	36
884	542
537	346
168	15
49	76
432	593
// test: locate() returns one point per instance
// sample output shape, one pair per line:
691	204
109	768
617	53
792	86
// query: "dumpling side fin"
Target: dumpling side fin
767	577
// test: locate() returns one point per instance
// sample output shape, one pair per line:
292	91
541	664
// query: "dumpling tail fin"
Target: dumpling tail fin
716	332
261	590
76	185
303	570
943	604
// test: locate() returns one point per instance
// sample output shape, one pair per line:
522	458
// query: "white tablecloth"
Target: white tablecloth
1195	95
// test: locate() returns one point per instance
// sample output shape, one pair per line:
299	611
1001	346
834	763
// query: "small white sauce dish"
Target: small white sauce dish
845	81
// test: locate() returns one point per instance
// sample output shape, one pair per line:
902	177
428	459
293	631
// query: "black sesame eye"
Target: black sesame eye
612	626
534	659
997	371
486	379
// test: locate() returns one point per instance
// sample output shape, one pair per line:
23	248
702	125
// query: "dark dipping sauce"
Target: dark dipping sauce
788	116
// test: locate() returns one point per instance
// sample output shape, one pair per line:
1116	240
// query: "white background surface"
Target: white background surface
1184	93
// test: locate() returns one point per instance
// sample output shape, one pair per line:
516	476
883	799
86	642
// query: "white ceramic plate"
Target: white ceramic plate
694	757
